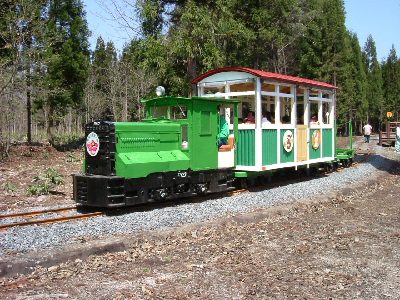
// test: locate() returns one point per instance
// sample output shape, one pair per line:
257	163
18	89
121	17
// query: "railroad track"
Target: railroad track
362	156
32	214
28	217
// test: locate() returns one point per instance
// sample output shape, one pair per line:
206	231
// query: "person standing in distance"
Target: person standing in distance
397	143
367	132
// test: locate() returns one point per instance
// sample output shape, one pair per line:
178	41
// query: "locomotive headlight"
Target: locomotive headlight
160	91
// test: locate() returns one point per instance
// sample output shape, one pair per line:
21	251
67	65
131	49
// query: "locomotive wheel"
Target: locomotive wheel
346	163
312	171
329	167
242	183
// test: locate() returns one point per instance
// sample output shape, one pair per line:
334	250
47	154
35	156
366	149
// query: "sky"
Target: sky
380	18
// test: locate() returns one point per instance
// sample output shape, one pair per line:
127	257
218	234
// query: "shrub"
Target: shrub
42	184
67	142
9	187
54	177
39	188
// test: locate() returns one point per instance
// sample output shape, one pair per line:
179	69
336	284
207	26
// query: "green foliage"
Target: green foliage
321	54
104	63
42	184
151	16
352	79
374	82
54	177
47	42
391	83
67	139
38	188
9	187
67	58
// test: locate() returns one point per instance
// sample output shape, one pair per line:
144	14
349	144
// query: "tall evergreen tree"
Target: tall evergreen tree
194	40
311	44
333	32
321	48
100	65
360	81
374	82
68	58
271	33
391	82
150	15
352	81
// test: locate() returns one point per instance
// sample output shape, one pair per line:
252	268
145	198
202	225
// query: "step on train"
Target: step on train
244	123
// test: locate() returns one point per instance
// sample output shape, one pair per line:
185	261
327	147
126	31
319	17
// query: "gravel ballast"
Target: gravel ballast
36	238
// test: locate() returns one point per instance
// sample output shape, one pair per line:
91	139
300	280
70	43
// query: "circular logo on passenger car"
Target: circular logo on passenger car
288	140
316	139
92	144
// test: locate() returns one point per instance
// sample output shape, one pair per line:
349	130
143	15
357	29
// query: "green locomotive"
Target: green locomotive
172	153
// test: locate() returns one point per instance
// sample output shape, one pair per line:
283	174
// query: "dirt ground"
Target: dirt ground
340	247
26	162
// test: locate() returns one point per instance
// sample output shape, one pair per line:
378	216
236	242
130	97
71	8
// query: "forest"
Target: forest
51	83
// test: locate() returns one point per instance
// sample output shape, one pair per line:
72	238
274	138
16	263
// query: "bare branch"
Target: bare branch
124	14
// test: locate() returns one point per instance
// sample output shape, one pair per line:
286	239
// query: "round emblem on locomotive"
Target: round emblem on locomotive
288	141
316	139
92	144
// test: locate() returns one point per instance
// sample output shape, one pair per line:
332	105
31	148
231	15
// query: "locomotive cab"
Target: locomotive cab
199	119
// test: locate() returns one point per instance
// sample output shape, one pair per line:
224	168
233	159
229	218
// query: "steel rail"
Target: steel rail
234	192
38	212
52	220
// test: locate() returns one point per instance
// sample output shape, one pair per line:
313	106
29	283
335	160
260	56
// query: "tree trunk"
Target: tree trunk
29	84
29	110
69	124
125	105
49	129
192	70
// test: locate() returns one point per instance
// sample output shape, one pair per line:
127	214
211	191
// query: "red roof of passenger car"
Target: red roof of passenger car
266	75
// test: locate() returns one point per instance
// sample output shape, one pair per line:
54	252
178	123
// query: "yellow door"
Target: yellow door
301	142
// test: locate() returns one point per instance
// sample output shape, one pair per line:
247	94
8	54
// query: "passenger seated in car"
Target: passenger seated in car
223	130
250	118
266	120
314	120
